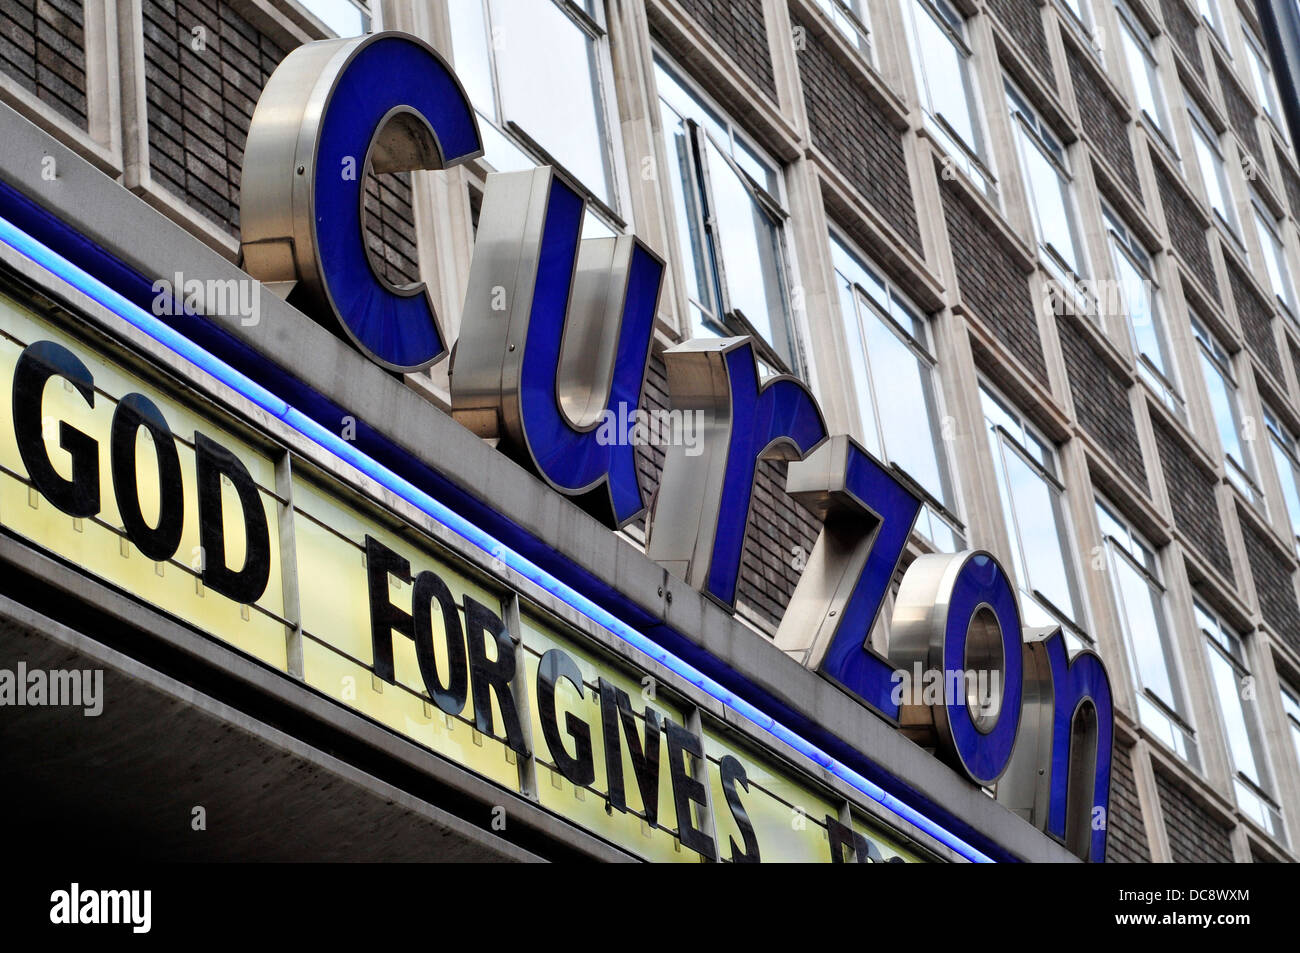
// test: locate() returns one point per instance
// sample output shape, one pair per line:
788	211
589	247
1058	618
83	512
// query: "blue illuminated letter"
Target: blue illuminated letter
697	528
956	618
867	516
554	341
331	111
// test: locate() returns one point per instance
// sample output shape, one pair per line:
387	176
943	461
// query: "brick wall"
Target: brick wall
1241	114
1195	837
853	130
1181	24
42	48
1186	228
991	279
1126	837
1024	21
1104	120
1191	497
1274	583
390	227
200	102
1101	399
739	28
1291	182
1256	316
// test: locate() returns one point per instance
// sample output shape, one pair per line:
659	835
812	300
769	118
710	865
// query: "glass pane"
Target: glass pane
550	86
869	434
1212	175
341	16
942	76
1231	706
1047	192
750	253
1137	290
1039	523
1223	404
469	44
1142	616
1141	70
683	178
911	426
1289	478
1274	259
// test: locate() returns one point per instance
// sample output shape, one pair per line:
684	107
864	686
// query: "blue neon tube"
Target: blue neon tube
151	325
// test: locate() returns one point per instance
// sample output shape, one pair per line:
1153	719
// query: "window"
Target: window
1291	705
1261	76
1286	458
1080	14
1231	677
1140	598
1270	240
537	71
897	394
1144	71
730	223
936	37
1049	189
1213	18
1214	172
851	18
1033	508
343	17
1141	300
1225	404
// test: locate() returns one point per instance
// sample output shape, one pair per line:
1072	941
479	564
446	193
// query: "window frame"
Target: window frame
1076	630
1267	225
852	18
946	513
1039	135
1247	470
1265	83
613	211
371	12
976	158
1230	646
1176	712
1162	123
1283	441
1204	133
1163	381
728	320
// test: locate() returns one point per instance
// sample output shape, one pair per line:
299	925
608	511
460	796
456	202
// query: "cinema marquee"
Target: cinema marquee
161	452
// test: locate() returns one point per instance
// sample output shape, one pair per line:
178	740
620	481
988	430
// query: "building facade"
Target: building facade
1040	258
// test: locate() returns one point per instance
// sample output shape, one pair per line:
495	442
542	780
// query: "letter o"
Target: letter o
952	610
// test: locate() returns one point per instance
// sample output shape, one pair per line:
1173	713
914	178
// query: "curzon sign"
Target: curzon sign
556	333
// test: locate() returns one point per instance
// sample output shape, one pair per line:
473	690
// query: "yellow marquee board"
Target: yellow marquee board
782	815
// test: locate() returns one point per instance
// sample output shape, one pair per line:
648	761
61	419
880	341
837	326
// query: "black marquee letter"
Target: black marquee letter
554	666
487	675
429	587
385	618
733	773
687	790
615	707
212	461
37	364
157	543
